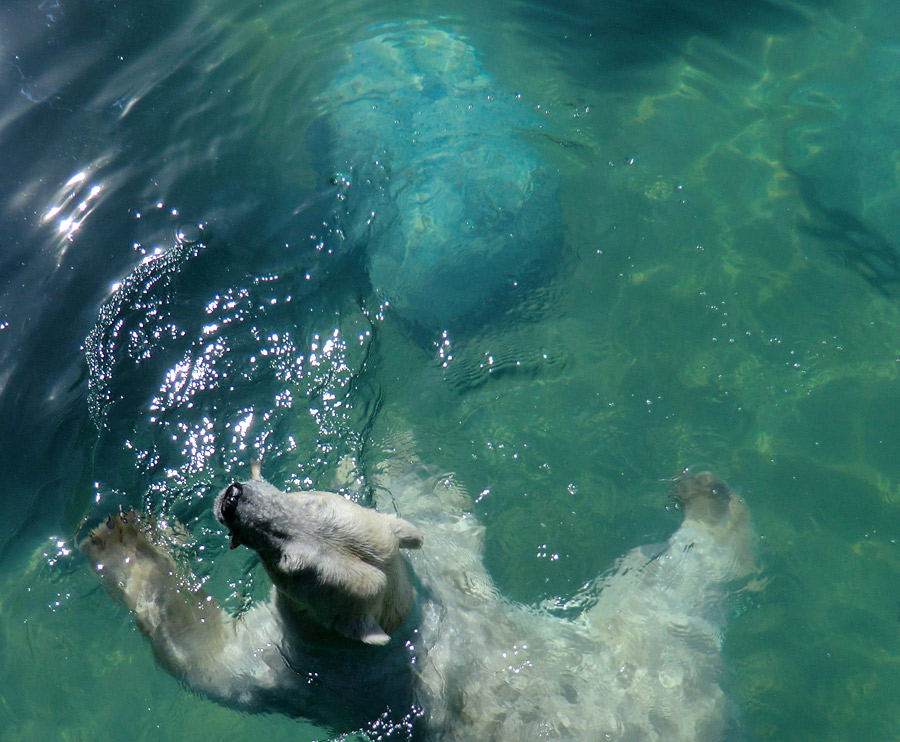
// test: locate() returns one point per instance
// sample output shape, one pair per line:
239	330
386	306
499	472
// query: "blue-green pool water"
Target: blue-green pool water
722	290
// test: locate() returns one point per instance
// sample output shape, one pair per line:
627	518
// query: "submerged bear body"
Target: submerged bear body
463	663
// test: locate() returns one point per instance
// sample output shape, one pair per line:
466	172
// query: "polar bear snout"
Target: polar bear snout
225	509
702	484
256	514
227	505
704	497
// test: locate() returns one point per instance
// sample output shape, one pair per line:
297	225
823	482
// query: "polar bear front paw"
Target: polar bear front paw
185	625
113	531
120	551
120	537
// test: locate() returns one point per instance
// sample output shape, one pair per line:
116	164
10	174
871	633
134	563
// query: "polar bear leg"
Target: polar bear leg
186	627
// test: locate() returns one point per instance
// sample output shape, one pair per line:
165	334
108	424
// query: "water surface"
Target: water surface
722	292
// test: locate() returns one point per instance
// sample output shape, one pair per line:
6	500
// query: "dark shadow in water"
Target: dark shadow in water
857	246
617	39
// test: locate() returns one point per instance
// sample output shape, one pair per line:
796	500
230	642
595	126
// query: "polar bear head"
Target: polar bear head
333	561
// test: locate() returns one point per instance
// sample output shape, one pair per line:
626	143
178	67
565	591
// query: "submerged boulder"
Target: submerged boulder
445	189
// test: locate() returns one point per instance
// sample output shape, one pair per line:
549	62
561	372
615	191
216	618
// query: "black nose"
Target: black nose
230	501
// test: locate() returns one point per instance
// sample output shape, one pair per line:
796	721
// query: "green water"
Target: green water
725	297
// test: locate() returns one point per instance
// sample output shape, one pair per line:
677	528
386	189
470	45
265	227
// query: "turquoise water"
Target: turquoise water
723	291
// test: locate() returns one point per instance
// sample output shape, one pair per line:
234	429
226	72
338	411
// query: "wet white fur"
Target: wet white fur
643	662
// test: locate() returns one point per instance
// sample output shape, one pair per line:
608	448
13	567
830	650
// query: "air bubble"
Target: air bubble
188	233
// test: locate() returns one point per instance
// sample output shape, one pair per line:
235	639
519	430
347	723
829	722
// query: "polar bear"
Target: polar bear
360	636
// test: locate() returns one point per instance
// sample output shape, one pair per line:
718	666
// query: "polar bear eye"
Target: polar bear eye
230	501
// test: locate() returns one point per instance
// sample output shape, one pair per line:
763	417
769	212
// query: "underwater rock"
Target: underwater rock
451	202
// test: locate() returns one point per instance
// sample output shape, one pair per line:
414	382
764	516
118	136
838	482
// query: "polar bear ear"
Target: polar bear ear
365	629
407	534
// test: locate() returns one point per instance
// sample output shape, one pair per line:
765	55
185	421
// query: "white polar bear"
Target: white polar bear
351	640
